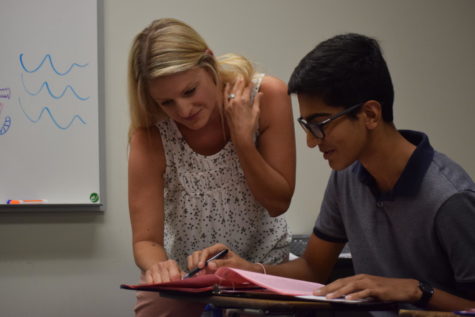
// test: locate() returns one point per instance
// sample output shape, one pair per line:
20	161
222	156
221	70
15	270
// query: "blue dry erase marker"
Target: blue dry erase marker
218	255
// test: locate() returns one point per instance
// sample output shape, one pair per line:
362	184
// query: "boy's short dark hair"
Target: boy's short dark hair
345	70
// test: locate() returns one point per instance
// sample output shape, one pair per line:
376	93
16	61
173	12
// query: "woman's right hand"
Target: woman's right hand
231	259
162	272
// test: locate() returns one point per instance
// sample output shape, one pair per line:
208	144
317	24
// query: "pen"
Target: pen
26	201
218	255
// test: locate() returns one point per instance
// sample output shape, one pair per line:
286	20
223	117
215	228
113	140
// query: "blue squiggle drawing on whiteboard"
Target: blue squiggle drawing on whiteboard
48	111
6	123
48	57
45	84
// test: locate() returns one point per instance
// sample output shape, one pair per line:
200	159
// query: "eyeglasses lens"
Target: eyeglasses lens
316	131
312	128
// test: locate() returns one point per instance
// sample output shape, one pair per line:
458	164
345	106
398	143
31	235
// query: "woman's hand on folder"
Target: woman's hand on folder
162	272
231	259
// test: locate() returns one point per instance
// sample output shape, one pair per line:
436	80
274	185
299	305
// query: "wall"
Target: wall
72	264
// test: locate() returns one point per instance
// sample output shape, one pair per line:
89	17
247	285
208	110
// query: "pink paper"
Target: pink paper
280	285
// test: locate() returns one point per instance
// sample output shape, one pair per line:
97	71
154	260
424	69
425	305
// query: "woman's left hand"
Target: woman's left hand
364	286
242	116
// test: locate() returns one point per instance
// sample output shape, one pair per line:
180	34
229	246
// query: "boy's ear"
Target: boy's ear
372	114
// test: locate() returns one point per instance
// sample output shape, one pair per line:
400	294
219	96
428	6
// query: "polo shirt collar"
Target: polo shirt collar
411	178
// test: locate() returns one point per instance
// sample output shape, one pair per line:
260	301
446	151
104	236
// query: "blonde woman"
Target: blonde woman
212	157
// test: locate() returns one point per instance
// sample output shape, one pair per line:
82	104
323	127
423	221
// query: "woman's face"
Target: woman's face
190	98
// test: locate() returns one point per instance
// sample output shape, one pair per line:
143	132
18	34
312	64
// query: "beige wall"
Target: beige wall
72	264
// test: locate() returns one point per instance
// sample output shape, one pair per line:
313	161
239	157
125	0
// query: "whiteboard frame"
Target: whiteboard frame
81	207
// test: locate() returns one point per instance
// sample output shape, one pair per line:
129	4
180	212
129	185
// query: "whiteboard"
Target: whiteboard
49	101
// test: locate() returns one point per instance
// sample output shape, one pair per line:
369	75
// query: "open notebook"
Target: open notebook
229	281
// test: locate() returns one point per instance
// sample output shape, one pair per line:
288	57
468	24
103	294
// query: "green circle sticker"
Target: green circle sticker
94	197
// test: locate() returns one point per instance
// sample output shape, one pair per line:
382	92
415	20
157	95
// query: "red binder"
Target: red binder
226	278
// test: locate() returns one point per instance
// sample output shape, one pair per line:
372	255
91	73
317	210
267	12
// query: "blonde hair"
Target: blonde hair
169	46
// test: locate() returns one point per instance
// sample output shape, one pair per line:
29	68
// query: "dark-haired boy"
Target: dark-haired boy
407	211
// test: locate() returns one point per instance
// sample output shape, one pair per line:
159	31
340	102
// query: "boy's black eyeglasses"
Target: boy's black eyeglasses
316	128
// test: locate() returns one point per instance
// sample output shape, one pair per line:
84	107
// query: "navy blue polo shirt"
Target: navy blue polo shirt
424	228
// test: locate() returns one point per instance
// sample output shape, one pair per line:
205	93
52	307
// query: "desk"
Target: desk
423	313
243	306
